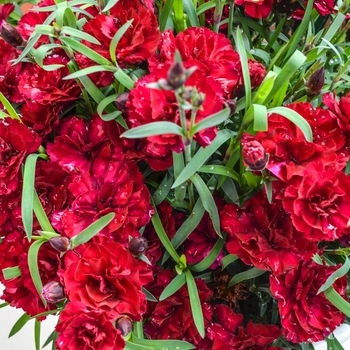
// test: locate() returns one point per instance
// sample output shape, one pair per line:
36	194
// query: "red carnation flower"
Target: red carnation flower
48	87
16	141
305	315
318	202
256	8
139	41
10	210
81	328
262	234
106	277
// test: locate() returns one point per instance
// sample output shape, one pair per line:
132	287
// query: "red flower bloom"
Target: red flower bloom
318	203
81	328
256	8
5	11
106	277
16	141
305	315
140	40
48	87
262	234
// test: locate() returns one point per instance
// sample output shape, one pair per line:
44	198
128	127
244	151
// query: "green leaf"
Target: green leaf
41	215
333	343
149	295
342	271
165	14
49	339
116	38
75	45
187	227
205	7
173	286
210	121
158	226
227	260
164	344
202	156
208	202
4	305
163	189
265	88
260	118
245	68
132	346
19	324
11	272
92	230
295	118
179	20
33	266
28	194
8	106
41	52
30	44
195	303
333	28
191	13
211	257
220	170
153	129
37	329
246	275
179	164
230	190
109	5
89	70
124	79
69	19
117	115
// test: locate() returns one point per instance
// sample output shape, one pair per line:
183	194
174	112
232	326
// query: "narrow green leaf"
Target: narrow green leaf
187	227
333	343
260	118
158	226
89	70
11	272
164	344
41	215
109	5
173	286
163	189
228	259
165	14
19	324
149	295
28	194
4	305
69	19
210	121
124	79
195	303
295	118
37	329
77	46
211	257
45	30
202	156
49	339
41	52
33	266
179	165
13	114
205	7
342	271
191	13
275	34
208	202
265	88
246	275
116	38
79	34
102	106
92	230
333	28
153	129
220	170
30	44
132	346
245	68
179	20
230	190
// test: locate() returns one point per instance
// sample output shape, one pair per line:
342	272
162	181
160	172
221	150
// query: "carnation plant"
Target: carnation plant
174	174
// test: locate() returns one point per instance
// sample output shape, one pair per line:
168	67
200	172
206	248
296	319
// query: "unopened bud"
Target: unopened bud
61	244
11	35
124	324
232	105
53	292
121	100
138	246
177	75
254	155
315	83
198	100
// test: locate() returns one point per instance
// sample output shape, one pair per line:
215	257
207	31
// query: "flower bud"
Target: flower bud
61	244
11	35
121	100
177	75
232	105
254	155
53	292
198	100
315	83
124	324
138	246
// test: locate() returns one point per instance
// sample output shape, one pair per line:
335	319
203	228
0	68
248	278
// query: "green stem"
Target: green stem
217	16
230	20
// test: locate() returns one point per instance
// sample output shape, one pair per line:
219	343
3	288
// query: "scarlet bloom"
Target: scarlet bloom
106	277
138	43
305	315
256	9
318	202
81	328
16	142
262	234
